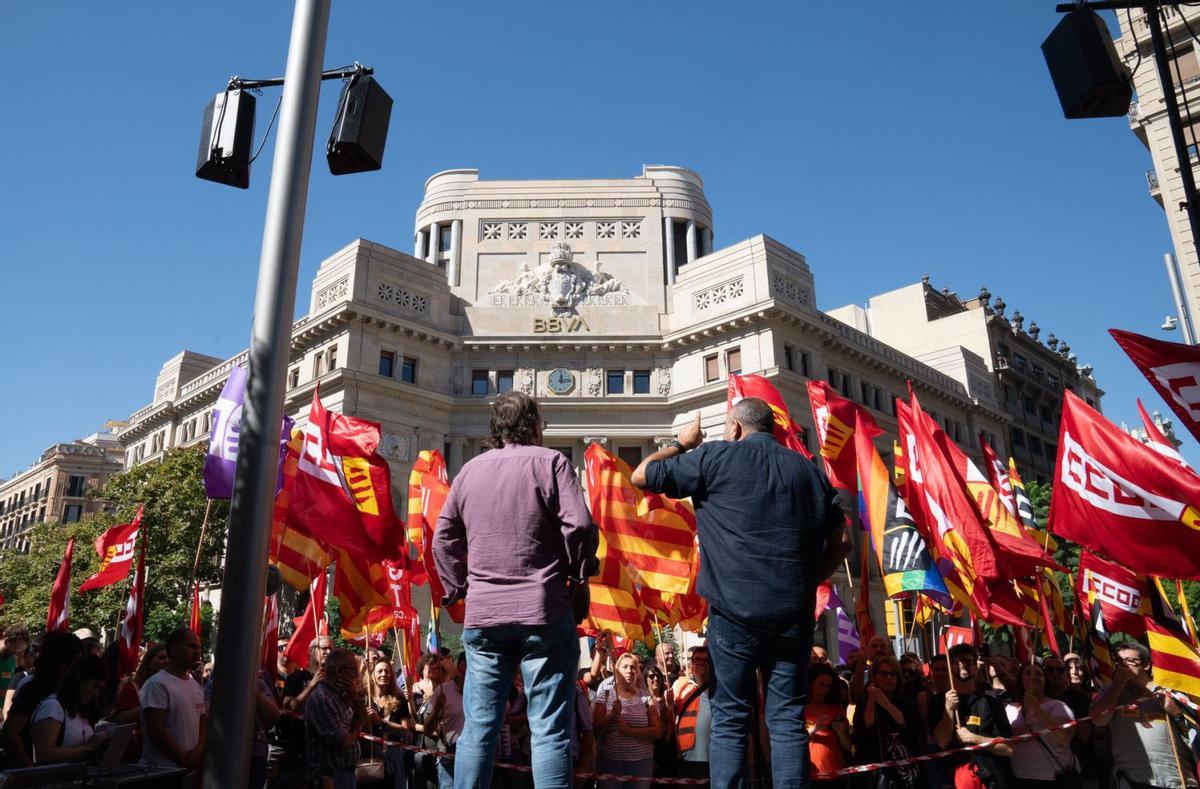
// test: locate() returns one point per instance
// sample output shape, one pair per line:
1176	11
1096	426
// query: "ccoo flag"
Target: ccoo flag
1156	440
1123	596
116	548
1172	368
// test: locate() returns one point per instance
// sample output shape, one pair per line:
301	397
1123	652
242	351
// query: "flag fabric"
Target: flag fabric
270	637
1100	656
308	627
297	555
1024	506
998	477
1176	661
1122	595
787	430
1185	613
1156	440
360	585
1172	368
1115	496
220	461
116	548
824	590
848	636
862	601
836	418
428	470
129	636
904	560
953	635
58	614
194	614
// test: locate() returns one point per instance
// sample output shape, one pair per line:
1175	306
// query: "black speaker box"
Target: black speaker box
226	138
360	128
1090	79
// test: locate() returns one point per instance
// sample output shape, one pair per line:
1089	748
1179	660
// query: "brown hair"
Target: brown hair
515	420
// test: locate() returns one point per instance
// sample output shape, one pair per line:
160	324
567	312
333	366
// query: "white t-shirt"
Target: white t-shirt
1030	760
183	699
76	729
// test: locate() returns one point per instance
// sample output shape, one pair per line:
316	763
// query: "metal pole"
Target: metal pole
239	649
1192	202
1181	305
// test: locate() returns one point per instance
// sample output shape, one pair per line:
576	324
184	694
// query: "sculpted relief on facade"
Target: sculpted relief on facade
562	284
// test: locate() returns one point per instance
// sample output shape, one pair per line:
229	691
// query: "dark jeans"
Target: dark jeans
737	652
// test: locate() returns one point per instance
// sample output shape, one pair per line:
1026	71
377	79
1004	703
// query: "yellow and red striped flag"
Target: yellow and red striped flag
299	557
1176	662
430	466
360	585
616	608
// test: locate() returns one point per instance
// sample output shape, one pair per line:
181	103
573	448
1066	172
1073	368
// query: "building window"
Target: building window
408	370
733	361
1035	445
641	382
318	361
504	380
1019	362
387	363
293	378
1018	437
864	389
711	371
479	382
616	382
789	358
1008	394
332	354
1052	379
1030	405
75	486
631	455
444	238
72	513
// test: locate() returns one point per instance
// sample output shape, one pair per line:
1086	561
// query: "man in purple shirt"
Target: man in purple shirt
516	539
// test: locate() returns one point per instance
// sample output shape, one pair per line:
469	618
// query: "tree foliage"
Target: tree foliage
172	494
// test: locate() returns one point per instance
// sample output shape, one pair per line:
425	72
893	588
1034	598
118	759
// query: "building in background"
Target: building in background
56	487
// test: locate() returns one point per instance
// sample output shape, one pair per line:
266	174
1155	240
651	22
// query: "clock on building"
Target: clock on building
560	381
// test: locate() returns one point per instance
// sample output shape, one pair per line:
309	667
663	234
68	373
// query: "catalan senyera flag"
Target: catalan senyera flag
297	555
116	548
429	467
835	418
651	536
1123	597
617	608
787	430
904	559
360	586
1176	662
1115	496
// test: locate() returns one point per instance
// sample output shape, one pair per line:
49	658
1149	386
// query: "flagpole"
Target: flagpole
199	547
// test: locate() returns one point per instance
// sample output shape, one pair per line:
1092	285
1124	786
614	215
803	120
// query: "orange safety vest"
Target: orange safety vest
685	715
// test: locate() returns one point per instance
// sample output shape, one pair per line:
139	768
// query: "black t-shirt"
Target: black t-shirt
24	703
981	714
289	731
889	739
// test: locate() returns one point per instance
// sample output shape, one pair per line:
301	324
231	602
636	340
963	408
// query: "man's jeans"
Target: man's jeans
736	652
548	656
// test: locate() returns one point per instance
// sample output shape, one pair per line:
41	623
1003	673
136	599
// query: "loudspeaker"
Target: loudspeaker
1090	79
360	128
226	138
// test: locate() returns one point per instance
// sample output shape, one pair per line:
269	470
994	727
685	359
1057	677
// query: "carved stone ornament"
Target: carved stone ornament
560	283
525	381
664	381
456	381
594	383
394	447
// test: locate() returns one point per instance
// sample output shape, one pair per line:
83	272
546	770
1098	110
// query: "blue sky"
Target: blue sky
882	140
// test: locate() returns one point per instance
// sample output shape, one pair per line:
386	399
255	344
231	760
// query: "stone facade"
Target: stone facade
55	488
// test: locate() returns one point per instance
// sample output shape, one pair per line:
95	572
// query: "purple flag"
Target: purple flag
848	639
221	458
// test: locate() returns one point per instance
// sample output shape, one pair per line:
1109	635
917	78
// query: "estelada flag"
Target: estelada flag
1172	368
998	477
116	548
129	637
58	614
1123	595
1116	496
1024	505
835	418
787	430
1156	440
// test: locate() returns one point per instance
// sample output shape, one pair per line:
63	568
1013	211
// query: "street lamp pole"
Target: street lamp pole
238	657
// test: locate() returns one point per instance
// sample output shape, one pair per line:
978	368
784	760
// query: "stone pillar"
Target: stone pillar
669	239
455	252
691	240
419	245
431	251
706	242
457	448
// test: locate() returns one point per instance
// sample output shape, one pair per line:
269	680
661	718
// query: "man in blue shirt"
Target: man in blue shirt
770	531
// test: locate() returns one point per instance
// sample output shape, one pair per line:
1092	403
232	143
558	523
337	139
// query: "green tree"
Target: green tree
172	495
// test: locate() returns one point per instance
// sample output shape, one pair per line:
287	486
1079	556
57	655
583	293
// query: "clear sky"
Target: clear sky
883	140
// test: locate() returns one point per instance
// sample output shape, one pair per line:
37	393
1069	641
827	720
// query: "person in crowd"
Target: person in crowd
1078	676
286	765
1058	686
693	717
667	662
583	740
446	722
334	716
819	655
58	651
12	650
626	725
770	530
1047	760
390	719
424	695
129	705
936	683
173	714
91	642
829	743
877	647
912	675
660	698
967	714
1146	747
886	726
61	729
23	669
1000	677
516	533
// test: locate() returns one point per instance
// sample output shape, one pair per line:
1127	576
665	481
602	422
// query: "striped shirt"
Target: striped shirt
616	745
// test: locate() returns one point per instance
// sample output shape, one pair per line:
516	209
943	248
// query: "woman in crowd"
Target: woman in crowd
887	726
61	730
128	706
390	719
829	743
626	725
1047	759
664	746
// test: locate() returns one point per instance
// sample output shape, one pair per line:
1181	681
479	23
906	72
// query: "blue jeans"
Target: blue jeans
547	656
736	653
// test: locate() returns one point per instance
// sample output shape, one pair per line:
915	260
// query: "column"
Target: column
691	240
669	238
706	242
455	252
432	247
457	447
419	245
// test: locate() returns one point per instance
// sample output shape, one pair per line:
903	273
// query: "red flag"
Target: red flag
1172	368
862	605
787	430
835	418
60	594
953	635
429	462
309	625
116	548
270	637
998	477
1157	441
129	637
194	619
1123	595
823	590
1115	496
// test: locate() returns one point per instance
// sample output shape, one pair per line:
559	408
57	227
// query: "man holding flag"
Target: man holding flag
770	530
